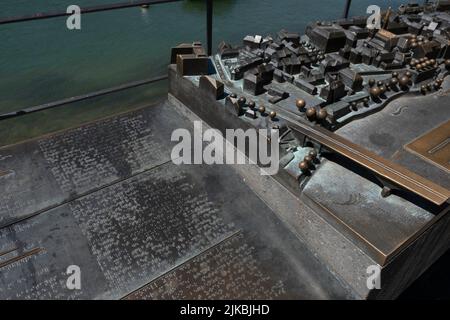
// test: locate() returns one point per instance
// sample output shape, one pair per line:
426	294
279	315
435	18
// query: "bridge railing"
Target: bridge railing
95	9
122	87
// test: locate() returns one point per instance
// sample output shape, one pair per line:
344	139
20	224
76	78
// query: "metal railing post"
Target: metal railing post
348	3
84	10
209	23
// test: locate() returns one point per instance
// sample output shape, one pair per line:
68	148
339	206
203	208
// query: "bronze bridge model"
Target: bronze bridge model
383	168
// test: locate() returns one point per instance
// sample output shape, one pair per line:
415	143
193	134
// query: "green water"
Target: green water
43	61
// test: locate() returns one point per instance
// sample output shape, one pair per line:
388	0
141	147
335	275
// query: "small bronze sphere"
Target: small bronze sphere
300	103
413	63
382	90
387	85
312	154
272	114
303	165
242	100
429	86
422	60
311	113
394	75
447	64
414	44
379	83
308	159
414	36
262	109
322	114
233	95
366	101
251	104
375	92
354	106
436	85
419	43
408	74
393	82
423	89
371	82
432	62
404	81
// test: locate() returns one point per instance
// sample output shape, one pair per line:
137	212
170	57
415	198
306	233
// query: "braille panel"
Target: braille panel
142	227
231	270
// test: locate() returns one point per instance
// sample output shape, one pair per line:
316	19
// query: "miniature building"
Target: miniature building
212	87
306	86
333	92
293	37
191	59
351	79
253	83
226	51
327	38
429	49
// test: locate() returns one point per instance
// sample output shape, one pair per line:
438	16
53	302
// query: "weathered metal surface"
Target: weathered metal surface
396	174
434	146
356	202
139	227
46	172
348	244
241	267
387	132
135	231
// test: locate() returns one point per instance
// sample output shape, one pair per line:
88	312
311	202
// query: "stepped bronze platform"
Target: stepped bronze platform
350	224
107	198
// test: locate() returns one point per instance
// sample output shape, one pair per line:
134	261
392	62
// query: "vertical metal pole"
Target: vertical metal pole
348	3
209	22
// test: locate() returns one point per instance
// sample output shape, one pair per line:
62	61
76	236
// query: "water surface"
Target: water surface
43	61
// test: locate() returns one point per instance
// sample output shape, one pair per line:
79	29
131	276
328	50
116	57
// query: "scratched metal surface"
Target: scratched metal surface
380	225
241	267
399	123
150	226
42	173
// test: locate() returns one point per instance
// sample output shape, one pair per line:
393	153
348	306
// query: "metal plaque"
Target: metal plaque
434	146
